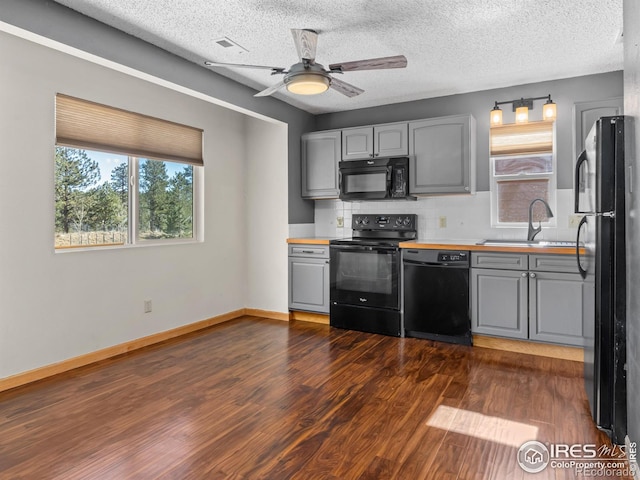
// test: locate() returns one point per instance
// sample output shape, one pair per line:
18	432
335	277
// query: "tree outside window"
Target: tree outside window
93	199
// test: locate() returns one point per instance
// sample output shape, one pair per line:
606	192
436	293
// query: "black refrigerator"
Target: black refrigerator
599	190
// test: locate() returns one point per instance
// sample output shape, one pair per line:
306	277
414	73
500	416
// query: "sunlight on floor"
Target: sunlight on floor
495	429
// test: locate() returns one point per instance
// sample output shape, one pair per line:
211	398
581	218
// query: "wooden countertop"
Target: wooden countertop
471	245
441	244
311	240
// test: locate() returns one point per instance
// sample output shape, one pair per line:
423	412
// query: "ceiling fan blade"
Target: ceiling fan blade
397	61
345	88
306	42
268	91
242	65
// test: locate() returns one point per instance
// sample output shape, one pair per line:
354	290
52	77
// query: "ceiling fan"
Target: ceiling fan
310	78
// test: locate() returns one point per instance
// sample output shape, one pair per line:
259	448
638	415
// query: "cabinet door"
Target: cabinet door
357	143
320	157
309	284
556	307
391	140
499	302
442	155
586	114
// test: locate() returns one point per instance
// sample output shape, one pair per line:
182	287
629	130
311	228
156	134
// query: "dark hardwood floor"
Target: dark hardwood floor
262	399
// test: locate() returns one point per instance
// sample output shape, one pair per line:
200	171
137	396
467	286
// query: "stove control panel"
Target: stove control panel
397	222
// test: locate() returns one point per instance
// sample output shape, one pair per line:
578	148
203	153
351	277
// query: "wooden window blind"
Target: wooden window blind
84	124
522	139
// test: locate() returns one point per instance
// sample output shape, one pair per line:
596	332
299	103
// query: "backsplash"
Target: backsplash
467	217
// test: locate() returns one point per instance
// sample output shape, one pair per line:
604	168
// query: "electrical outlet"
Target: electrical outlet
147	306
340	222
442	222
574	220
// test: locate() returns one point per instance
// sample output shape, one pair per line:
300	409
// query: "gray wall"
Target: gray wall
632	108
564	92
59	23
66	26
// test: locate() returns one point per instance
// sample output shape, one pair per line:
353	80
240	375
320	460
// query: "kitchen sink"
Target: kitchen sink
525	243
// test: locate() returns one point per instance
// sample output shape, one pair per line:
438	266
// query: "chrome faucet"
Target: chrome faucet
532	232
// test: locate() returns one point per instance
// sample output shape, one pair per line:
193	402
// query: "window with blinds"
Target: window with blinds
522	169
123	177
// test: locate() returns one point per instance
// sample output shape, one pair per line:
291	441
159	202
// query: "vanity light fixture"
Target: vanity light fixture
522	113
521	108
496	115
549	111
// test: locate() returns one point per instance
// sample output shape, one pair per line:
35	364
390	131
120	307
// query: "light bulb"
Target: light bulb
496	117
522	114
308	84
549	111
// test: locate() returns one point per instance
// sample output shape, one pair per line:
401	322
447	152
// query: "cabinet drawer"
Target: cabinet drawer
503	261
316	251
553	263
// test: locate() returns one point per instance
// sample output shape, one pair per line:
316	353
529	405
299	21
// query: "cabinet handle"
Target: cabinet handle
523	274
532	275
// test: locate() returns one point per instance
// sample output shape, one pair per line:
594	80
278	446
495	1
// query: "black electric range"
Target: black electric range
365	273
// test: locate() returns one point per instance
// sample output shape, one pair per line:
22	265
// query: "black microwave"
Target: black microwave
375	179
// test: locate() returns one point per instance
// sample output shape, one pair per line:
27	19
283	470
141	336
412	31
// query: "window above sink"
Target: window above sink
523	167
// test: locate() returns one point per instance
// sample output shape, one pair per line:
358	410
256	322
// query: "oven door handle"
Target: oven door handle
364	248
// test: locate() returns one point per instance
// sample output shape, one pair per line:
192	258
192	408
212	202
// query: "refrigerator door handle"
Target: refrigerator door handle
583	272
582	158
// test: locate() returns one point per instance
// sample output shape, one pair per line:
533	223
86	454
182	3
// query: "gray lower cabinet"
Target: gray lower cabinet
320	157
443	155
535	297
557	294
309	278
499	303
555	307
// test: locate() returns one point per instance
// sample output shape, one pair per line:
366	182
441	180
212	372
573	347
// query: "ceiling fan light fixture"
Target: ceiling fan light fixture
308	84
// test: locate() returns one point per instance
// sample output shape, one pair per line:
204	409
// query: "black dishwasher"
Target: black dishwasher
436	295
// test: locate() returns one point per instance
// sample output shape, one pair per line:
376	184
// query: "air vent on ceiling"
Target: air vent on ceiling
227	43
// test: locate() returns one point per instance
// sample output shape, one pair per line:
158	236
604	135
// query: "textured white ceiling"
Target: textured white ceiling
452	46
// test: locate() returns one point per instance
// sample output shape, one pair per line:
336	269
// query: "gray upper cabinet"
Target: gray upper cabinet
443	155
320	157
586	114
357	143
376	141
